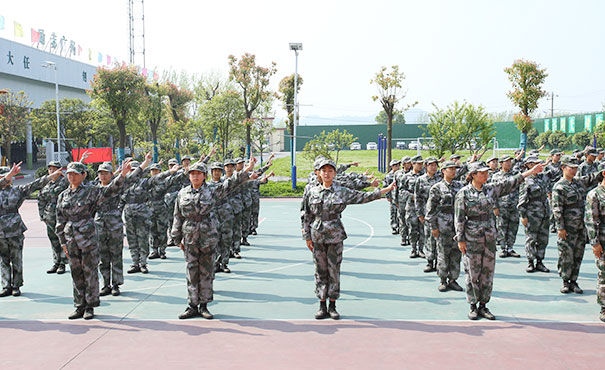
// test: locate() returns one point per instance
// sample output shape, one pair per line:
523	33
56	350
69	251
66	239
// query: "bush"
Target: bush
582	139
558	140
281	189
41	171
542	139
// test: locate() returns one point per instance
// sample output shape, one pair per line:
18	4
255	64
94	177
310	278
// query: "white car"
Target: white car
371	146
414	145
355	146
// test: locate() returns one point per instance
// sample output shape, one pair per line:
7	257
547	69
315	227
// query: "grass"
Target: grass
281	189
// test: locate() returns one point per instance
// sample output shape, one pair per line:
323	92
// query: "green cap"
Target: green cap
477	167
77	167
239	160
417	158
505	158
592	151
172	161
216	166
106	166
229	162
155	166
186	157
198	166
54	164
492	158
569	161
430	160
326	162
4	170
134	164
555	152
454	156
448	164
406	159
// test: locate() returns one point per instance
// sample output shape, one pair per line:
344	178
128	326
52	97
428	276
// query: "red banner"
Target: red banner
96	155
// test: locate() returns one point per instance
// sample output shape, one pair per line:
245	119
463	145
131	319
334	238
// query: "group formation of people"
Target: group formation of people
208	217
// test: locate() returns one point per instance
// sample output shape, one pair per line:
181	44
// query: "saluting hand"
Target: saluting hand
126	167
525	222
597	250
562	234
310	245
435	233
462	247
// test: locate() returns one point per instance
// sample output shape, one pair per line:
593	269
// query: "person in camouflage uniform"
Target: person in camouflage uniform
406	185
12	226
535	215
421	195
236	203
507	215
321	209
589	165
223	213
554	167
568	206
476	232
47	208
440	219
406	167
594	219
492	163
170	197
246	196
194	230
388	179
255	192
76	209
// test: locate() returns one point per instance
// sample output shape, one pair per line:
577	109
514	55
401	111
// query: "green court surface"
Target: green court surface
274	279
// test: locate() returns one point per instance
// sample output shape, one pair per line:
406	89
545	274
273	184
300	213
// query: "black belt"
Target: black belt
79	218
331	218
4	212
485	217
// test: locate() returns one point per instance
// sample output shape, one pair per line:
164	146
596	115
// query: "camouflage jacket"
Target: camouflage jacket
534	194
409	183
136	196
222	207
556	173
594	217
461	172
568	201
587	168
440	206
109	211
509	200
11	198
403	192
321	210
388	179
158	191
47	199
255	186
174	188
421	191
76	209
474	210
193	209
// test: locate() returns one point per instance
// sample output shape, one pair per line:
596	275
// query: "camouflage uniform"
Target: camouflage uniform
594	219
568	206
246	197
415	230
556	173
255	186
76	209
195	228
388	179
508	216
170	198
321	210
12	229
475	225
224	217
47	208
421	194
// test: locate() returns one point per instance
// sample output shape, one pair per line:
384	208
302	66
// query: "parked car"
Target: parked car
355	146
371	146
401	145
414	145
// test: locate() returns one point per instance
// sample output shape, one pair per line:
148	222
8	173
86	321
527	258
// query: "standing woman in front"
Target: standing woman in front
324	233
476	232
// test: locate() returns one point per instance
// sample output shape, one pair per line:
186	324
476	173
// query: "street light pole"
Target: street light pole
296	47
53	66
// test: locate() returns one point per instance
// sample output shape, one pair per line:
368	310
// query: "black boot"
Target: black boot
540	267
105	291
189	313
226	269
204	312
443	286
154	255
253	232
53	269
89	313
115	291
484	312
61	269
473	314
133	269
512	253
429	267
566	288
573	284
332	311
421	254
530	267
17	292
77	314
245	242
6	292
144	269
503	254
322	313
453	285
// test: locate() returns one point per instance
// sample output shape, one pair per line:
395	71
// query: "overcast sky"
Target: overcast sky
449	50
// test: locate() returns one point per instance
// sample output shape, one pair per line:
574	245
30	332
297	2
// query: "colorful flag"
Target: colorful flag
144	72
18	29
108	60
1	22
79	50
100	58
155	76
35	36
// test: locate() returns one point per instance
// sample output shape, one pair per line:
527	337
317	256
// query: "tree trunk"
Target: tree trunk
154	137
6	149
248	140
389	134
122	128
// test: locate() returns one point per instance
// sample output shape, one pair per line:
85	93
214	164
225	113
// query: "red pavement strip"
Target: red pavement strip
313	345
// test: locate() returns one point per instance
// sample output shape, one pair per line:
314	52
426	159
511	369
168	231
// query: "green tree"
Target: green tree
14	113
120	90
558	140
459	126
390	93
527	78
253	81
286	95
531	138
543	139
398	118
582	139
339	140
318	145
154	111
178	122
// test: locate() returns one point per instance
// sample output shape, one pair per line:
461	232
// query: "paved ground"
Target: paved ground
393	315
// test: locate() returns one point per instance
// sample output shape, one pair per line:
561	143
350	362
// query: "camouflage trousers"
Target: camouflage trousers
158	236
255	210
11	261
415	231
84	274
448	257
237	233
111	244
601	280
394	213
536	236
137	234
59	257
507	224
246	214
430	243
225	241
200	270
403	226
327	258
571	253
479	266
169	219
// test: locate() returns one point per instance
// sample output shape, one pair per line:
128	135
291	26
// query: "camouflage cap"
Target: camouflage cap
216	166
406	159
172	161
601	166
4	170
477	167
239	160
492	158
326	162
229	162
534	152
186	157
518	150
555	152
135	164
394	162
591	151
417	159
106	166
155	166
430	160
505	158
569	161
455	156
576	151
600	150
54	164
77	167
448	164
532	159
198	166
317	161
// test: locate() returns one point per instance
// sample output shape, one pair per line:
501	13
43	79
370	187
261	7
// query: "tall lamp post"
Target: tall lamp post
296	46
53	66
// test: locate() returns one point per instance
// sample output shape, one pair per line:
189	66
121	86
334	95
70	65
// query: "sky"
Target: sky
448	49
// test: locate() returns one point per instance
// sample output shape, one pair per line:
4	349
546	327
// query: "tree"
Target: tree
582	139
178	98
154	107
459	126
398	118
316	147
221	119
286	89
527	78
558	140
253	81
339	140
14	113
120	90
390	92
543	139
531	138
